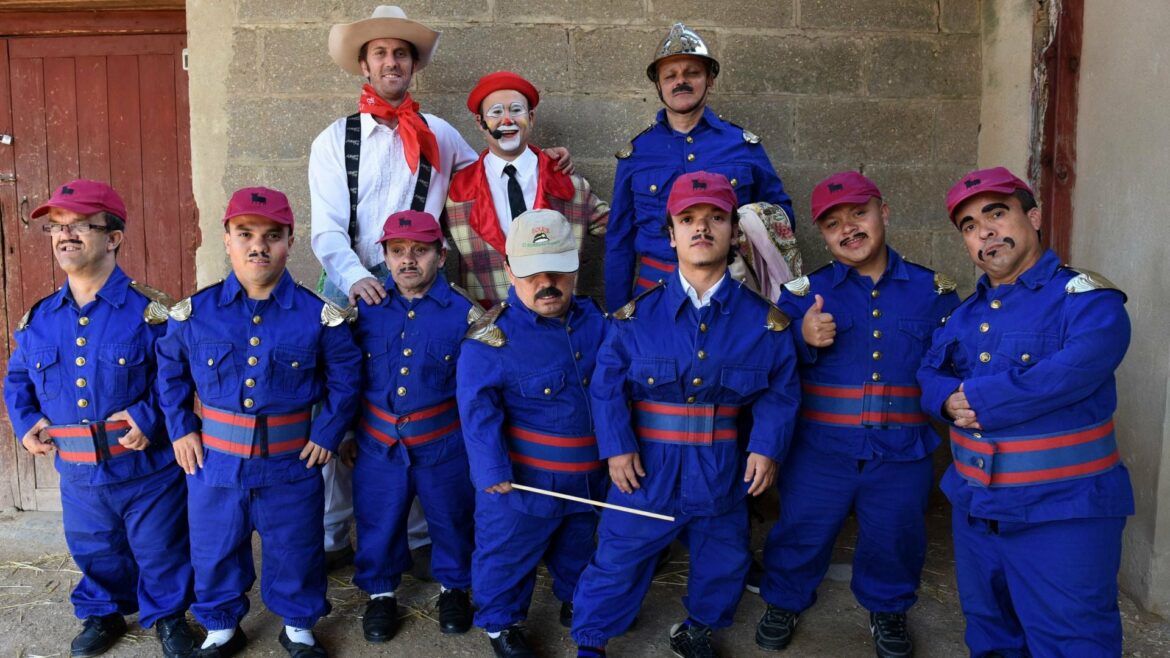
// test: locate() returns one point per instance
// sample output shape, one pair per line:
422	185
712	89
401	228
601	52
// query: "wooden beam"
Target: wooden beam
53	23
1058	156
84	5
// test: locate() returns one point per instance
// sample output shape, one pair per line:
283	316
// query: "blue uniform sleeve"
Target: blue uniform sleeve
20	394
479	383
343	378
1095	338
795	307
936	374
611	410
774	412
768	186
176	388
145	411
619	240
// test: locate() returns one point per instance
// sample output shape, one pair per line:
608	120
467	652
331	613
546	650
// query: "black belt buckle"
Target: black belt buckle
101	441
262	434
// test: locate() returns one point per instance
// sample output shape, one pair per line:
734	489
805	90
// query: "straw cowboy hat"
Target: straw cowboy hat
388	22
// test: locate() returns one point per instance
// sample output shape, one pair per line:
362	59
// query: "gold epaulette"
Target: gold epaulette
476	311
628	150
158	310
485	330
944	284
332	315
750	137
24	320
626	312
777	320
181	310
1087	281
799	287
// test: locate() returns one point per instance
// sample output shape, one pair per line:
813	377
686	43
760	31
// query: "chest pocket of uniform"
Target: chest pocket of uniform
1023	348
45	372
293	369
214	369
121	366
653	374
543	385
377	361
650	189
916	333
740	177
744	381
941	353
439	369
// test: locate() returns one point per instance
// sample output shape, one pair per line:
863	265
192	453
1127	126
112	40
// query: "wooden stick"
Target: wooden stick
588	501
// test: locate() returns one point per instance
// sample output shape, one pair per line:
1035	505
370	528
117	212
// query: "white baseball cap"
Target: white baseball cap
541	241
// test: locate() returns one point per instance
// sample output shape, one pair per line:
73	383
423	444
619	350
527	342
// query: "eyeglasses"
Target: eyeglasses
75	229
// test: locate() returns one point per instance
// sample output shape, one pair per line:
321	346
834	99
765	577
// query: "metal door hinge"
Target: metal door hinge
186	60
5	139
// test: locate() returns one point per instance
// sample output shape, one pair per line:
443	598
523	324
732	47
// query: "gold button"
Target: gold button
410	314
877	333
577	356
211	362
653	188
650	381
250	383
984	357
984	327
702	327
446	357
877	355
83	321
253	360
977	435
690	157
404	370
80	341
1025	357
249	403
548	391
401	391
79	361
80	382
734	182
407	352
83	403
697	381
255	319
874	293
995	303
296	364
254	341
702	355
691	399
38	366
877	313
690	140
121	361
877	376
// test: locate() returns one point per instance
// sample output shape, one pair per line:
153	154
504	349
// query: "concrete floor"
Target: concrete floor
36	619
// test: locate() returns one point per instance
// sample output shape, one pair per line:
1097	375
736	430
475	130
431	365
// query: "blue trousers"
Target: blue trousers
130	541
509	544
383	493
611	590
287	517
818	490
1040	589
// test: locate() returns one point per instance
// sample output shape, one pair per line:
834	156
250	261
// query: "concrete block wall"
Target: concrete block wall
891	87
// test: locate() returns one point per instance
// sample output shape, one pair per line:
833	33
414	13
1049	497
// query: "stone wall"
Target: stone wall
888	86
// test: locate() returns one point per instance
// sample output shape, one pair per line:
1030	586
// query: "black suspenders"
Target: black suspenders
353	154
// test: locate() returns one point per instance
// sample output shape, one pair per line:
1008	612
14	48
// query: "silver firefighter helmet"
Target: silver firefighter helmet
682	40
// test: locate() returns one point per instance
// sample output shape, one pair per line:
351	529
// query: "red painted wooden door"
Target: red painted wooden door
110	108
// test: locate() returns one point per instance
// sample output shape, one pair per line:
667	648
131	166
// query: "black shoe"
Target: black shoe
890	637
511	644
380	622
230	648
567	614
421	569
298	650
775	629
342	557
97	635
454	611
175	636
689	641
755	576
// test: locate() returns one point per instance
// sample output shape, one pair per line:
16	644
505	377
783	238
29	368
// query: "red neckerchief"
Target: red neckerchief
416	136
470	184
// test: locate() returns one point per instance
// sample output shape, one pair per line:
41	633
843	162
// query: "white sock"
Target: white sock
300	635
382	595
218	638
444	590
493	634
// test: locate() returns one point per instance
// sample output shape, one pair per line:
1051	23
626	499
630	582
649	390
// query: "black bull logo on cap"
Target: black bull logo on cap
836	187
65	189
973	182
402	221
698	185
259	199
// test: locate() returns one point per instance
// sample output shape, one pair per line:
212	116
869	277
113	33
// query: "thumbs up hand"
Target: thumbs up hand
818	327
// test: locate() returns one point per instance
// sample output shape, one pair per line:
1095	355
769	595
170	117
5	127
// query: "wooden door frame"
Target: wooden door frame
28	19
1058	151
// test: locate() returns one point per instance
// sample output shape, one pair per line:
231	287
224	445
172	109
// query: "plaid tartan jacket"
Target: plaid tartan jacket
473	229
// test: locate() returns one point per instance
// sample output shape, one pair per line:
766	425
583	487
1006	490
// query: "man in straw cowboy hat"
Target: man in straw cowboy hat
384	158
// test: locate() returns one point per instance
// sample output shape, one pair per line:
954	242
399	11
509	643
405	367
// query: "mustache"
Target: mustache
408	268
682	87
1008	242
858	236
552	293
73	241
258	254
701	236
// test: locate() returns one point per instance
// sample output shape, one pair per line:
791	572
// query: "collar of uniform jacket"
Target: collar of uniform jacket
112	291
1036	276
440	291
282	293
895	268
678	299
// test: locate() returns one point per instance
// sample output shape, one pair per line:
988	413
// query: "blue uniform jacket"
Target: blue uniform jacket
274	356
883	331
102	354
411	347
722	354
643	181
537	379
1034	359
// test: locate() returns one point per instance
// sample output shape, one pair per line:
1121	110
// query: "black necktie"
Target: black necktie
515	194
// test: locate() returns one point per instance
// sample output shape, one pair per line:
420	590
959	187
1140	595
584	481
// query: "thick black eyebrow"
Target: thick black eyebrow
994	205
